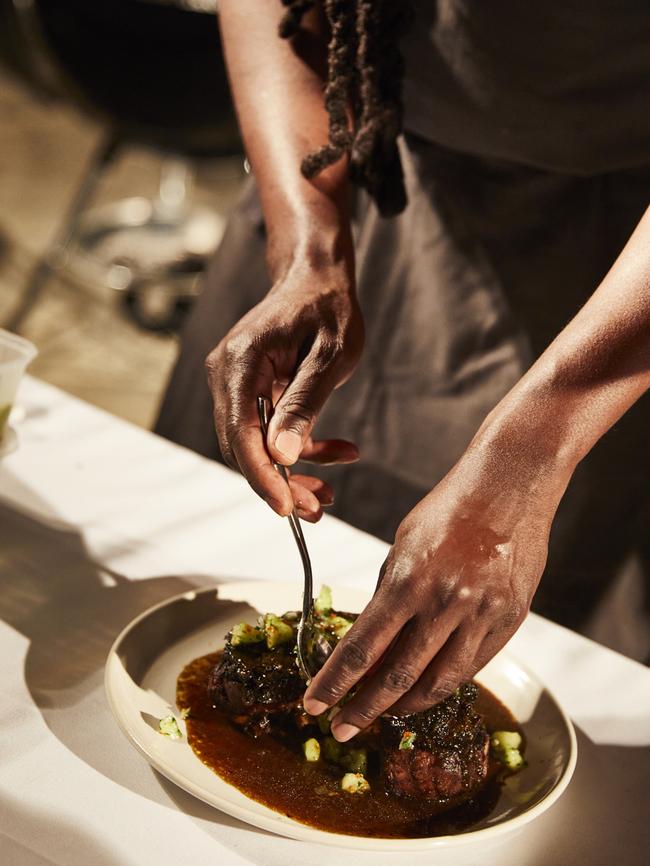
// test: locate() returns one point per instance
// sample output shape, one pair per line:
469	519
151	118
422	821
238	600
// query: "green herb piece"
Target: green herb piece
323	603
243	633
323	723
408	741
506	749
169	728
354	783
311	749
185	713
505	740
276	631
513	760
338	625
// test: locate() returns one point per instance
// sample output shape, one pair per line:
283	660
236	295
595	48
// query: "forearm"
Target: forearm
277	86
596	368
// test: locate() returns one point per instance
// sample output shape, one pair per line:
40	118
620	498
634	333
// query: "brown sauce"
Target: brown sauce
274	772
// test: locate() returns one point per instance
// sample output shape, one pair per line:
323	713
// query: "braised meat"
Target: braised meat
440	754
253	679
429	763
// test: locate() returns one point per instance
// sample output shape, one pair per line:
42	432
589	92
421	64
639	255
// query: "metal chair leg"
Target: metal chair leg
102	157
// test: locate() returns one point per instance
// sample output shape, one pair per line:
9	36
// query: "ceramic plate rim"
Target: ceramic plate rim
291	828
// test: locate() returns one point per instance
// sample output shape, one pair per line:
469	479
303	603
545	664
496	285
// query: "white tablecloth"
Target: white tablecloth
99	520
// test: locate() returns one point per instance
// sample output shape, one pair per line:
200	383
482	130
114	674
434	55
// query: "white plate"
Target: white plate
147	657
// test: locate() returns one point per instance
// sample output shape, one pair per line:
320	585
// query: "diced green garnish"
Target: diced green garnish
169	728
311	749
276	631
513	759
355	760
185	713
354	783
332	750
243	633
505	740
323	603
408	741
338	625
323	723
505	748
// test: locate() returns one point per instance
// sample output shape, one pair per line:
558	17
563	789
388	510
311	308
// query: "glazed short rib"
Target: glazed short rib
255	680
440	754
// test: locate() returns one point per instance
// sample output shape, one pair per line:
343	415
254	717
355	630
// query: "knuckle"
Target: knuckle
328	692
211	362
354	655
514	614
494	603
295	413
327	352
363	715
228	455
234	349
235	436
398	680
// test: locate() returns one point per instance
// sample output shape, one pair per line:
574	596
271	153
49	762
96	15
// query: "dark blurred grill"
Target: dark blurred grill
154	70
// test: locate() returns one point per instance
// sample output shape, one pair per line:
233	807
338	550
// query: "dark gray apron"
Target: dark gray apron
496	251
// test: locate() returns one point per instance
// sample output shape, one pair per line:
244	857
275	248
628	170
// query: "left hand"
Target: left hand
456	585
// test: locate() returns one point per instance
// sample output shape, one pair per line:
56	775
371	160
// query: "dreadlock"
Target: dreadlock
365	69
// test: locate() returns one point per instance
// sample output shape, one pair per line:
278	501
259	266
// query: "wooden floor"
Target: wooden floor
87	344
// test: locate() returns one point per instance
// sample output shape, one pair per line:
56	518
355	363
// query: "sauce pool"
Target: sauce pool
274	772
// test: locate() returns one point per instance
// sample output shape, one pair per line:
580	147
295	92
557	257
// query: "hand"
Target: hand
302	341
456	585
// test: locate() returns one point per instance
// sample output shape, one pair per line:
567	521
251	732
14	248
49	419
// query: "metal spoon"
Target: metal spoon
305	626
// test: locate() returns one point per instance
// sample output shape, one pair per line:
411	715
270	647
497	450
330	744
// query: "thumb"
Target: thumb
296	411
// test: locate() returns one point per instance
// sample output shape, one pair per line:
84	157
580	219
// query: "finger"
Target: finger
237	425
321	489
456	662
306	503
416	645
373	631
248	449
277	389
329	451
296	410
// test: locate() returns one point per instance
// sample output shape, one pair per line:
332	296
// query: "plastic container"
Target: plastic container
15	355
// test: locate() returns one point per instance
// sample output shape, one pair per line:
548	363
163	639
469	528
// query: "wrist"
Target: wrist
314	247
312	229
529	439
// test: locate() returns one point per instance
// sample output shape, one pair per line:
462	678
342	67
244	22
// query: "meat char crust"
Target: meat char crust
449	755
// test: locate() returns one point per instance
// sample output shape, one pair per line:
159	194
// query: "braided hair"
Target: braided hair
365	69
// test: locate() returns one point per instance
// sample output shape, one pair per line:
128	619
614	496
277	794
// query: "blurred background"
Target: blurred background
119	163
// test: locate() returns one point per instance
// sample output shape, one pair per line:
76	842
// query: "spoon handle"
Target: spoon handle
263	405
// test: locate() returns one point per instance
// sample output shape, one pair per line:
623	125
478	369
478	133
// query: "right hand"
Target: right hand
298	344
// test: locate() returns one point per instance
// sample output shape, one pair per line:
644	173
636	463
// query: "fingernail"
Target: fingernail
313	707
289	445
344	732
